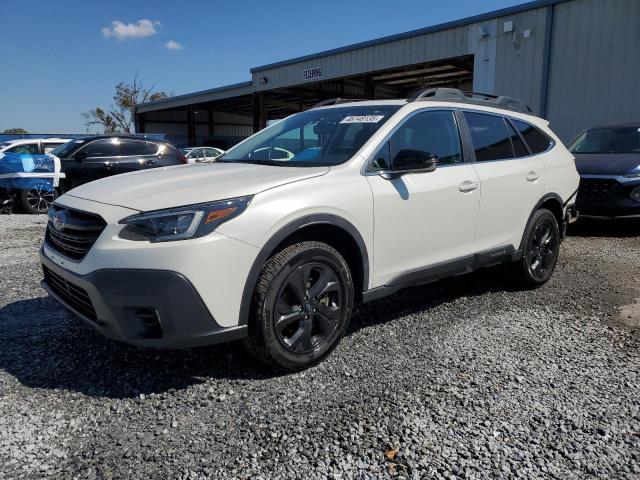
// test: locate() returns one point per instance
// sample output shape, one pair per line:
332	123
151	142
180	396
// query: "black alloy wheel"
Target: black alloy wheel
540	249
543	249
302	306
308	308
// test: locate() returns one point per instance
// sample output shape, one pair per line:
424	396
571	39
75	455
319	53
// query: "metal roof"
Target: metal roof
413	33
201	96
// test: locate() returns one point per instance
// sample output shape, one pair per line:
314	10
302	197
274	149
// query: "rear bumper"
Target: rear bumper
150	308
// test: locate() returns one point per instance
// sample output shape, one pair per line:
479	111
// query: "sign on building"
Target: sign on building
312	73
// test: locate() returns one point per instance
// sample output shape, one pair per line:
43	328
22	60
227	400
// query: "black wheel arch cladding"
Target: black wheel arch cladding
289	231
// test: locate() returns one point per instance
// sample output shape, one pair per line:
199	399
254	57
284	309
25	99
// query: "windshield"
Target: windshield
317	137
66	148
608	140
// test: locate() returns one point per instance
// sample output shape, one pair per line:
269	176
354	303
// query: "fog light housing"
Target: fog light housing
635	194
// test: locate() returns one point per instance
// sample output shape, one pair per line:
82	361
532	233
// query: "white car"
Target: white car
202	154
370	197
32	146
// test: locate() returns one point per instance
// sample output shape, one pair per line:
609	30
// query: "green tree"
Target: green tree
15	130
119	118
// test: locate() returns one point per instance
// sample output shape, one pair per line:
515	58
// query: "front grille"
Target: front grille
74	296
72	233
596	188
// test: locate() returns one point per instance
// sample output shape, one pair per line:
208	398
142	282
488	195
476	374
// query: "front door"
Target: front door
423	219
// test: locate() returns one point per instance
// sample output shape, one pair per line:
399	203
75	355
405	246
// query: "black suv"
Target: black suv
91	158
608	161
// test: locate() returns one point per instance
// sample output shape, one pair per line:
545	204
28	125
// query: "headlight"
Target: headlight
181	223
633	175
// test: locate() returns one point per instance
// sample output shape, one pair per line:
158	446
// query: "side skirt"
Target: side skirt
450	268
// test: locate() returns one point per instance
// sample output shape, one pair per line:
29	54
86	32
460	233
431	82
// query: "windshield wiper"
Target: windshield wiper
275	163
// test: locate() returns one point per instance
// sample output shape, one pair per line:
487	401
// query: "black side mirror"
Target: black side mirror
80	156
411	161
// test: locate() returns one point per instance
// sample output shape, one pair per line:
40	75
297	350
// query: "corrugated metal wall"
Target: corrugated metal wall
433	46
595	65
519	60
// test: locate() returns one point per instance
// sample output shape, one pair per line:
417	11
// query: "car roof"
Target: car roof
30	140
525	116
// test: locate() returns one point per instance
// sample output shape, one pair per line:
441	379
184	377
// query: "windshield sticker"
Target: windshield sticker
362	119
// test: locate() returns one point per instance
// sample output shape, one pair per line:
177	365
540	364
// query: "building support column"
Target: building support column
369	88
210	121
191	126
139	123
258	116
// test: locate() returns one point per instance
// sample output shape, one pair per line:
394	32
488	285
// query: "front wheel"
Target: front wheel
37	199
540	249
301	307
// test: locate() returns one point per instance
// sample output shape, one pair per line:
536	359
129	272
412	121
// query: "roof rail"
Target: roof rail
336	101
455	95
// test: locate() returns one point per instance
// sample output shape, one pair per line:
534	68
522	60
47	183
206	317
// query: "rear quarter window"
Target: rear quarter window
538	142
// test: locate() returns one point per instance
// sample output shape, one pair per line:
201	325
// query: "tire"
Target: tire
37	199
301	306
540	250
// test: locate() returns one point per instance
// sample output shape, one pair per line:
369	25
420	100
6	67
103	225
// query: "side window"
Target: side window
490	137
433	132
382	159
50	146
518	146
105	147
25	148
538	142
131	148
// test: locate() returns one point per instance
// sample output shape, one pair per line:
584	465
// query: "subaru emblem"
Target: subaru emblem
59	219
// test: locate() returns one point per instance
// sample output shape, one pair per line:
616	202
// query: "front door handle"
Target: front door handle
532	176
467	186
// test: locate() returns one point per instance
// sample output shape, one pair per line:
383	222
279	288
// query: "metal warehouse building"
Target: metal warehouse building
575	62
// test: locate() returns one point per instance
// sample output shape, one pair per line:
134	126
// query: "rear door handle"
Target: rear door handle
532	176
467	186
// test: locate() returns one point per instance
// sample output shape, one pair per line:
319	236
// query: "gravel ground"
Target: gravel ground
464	378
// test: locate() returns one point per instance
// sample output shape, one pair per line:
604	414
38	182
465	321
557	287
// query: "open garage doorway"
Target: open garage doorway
397	82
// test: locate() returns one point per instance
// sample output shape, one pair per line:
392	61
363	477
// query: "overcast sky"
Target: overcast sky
59	59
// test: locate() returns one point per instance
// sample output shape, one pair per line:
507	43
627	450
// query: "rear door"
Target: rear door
134	155
511	179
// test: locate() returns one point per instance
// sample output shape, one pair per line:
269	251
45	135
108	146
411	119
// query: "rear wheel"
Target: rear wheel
37	199
541	247
301	307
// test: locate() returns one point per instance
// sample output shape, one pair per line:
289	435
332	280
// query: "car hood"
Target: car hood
607	164
169	187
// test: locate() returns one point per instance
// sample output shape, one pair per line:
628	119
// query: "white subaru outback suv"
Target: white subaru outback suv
346	202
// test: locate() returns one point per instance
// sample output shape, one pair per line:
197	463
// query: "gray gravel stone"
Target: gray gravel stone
468	378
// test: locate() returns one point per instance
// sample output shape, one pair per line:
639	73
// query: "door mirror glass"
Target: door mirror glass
412	160
80	156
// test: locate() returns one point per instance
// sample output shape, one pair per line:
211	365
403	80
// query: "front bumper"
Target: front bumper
151	308
612	202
